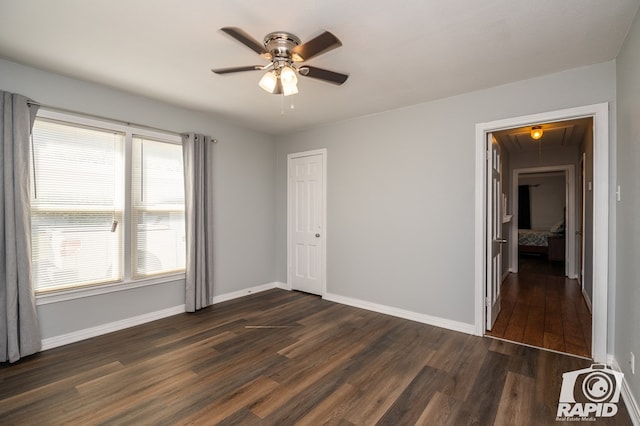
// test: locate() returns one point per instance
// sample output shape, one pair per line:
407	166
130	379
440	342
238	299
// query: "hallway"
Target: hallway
541	307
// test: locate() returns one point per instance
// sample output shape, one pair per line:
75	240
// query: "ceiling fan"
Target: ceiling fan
286	56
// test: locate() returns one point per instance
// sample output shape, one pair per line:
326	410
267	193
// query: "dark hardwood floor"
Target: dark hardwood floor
282	358
541	307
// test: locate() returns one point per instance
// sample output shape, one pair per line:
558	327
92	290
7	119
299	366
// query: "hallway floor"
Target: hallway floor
541	307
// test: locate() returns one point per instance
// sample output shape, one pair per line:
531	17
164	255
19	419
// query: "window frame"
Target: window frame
129	280
134	208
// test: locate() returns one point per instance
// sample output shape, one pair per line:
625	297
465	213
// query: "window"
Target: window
158	207
107	203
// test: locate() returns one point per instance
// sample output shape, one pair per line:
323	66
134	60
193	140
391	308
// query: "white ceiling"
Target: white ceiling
397	53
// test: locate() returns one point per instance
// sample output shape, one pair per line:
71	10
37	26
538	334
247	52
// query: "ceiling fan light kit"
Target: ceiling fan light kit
269	81
285	52
289	81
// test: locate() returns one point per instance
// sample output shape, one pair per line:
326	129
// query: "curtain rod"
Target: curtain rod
68	111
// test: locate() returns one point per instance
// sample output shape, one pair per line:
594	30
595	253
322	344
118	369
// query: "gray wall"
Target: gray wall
547	196
628	209
244	196
400	211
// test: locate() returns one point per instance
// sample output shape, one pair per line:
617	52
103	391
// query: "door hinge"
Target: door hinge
487	302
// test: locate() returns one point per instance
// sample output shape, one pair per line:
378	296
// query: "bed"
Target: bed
532	241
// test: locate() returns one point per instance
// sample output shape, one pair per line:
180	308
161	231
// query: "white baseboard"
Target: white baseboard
587	300
244	292
505	275
402	313
283	286
87	333
630	402
76	336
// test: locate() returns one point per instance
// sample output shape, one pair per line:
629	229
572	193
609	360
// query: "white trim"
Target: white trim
568	171
76	336
480	231
601	179
587	300
82	292
627	396
600	227
244	292
582	167
505	275
401	313
323	267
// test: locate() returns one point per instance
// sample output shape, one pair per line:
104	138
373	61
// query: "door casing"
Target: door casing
582	222
601	203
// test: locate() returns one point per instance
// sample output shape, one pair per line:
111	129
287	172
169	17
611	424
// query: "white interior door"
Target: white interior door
494	231
306	222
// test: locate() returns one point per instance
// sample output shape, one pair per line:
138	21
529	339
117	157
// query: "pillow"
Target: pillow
558	228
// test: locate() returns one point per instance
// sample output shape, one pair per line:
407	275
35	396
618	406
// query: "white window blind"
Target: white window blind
107	203
157	207
77	205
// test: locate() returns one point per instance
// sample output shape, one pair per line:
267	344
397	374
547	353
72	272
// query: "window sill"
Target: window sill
79	293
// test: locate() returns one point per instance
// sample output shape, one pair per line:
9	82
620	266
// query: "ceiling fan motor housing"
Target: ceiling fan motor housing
279	46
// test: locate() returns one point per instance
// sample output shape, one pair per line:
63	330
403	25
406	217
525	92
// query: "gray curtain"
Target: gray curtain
198	183
19	331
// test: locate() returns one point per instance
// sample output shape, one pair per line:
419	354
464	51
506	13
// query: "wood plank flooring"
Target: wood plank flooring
541	307
285	358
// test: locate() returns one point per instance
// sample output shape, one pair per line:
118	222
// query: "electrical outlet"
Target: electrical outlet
632	361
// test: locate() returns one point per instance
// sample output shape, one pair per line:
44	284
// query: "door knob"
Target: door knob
501	241
317	235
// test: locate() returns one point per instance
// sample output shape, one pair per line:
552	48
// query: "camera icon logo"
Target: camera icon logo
590	392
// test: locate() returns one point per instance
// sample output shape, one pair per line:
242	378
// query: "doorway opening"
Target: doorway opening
562	265
542	303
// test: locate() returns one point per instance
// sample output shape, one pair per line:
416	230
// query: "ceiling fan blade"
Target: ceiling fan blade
325	75
245	39
321	44
237	69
